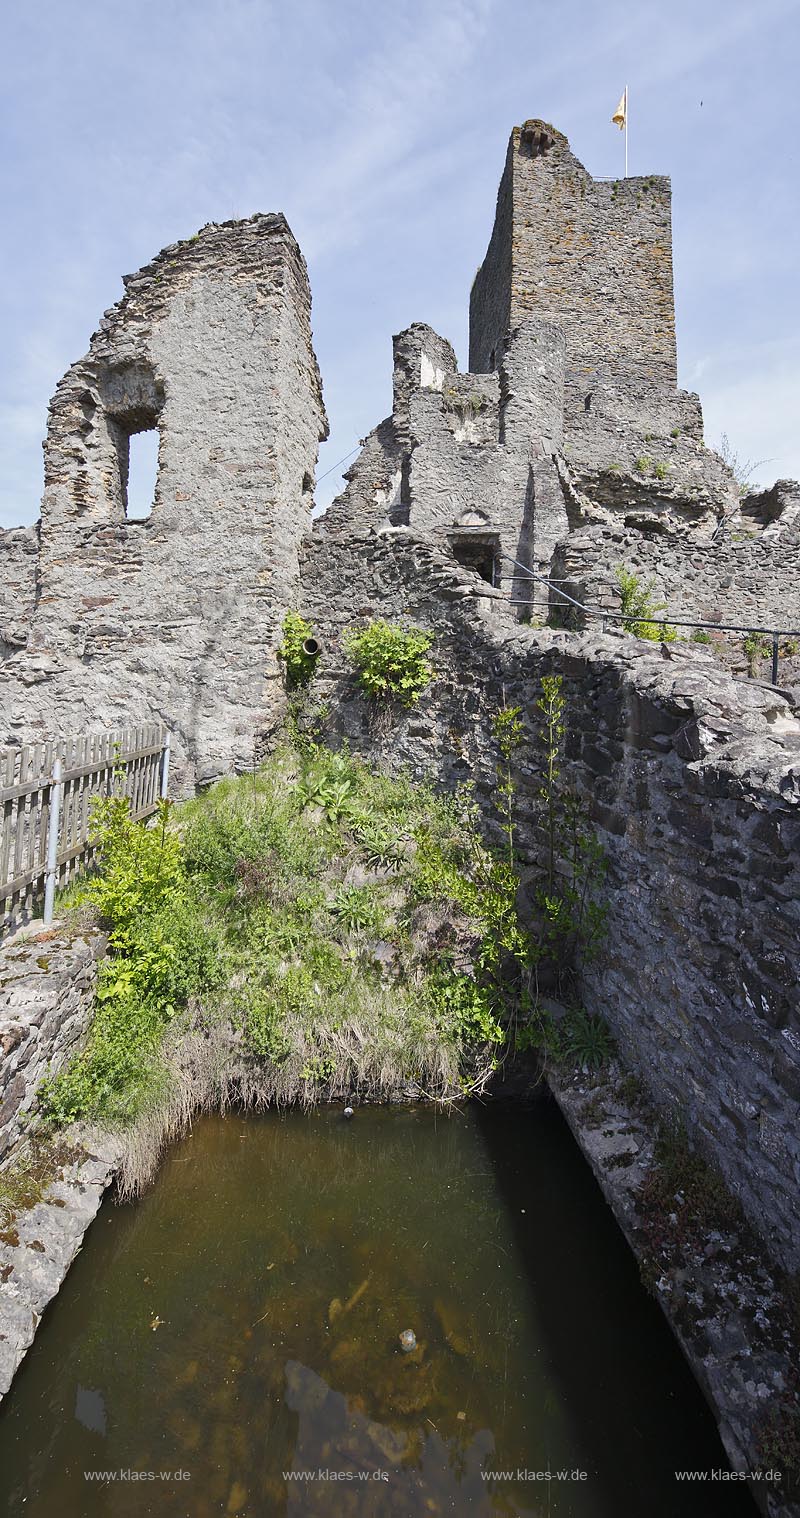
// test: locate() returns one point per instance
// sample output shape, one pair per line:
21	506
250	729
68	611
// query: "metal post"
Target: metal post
165	768
774	658
53	828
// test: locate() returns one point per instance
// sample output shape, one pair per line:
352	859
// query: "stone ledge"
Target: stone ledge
44	1241
725	1307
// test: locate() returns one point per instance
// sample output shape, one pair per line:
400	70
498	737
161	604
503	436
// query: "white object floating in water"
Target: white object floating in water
348	1112
408	1340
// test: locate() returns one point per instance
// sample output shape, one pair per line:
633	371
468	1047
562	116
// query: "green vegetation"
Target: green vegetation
317	928
507	730
683	1196
660	469
778	1437
700	635
638	609
756	647
25	1180
298	663
585	1040
567	911
643	465
163	951
572	915
314	928
390	661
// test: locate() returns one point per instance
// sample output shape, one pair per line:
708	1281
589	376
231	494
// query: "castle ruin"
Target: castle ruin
567	450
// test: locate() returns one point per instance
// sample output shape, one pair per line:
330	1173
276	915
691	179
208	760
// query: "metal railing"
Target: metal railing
46	794
604	615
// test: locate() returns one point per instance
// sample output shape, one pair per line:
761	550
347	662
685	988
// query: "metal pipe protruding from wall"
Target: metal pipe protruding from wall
312	648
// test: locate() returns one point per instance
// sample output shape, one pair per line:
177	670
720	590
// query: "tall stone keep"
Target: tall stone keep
178	614
593	255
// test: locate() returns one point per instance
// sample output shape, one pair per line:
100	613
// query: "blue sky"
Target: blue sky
380	130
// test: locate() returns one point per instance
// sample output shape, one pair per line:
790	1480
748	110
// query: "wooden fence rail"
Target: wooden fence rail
46	792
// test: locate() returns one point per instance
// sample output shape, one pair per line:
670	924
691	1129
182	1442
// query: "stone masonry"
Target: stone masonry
691	781
47	986
177	615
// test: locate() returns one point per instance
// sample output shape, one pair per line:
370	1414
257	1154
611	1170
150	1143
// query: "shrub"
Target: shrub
162	952
391	661
660	470
700	635
643	465
299	665
638	608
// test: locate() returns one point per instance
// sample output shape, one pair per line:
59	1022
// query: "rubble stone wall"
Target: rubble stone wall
692	783
19	548
47	985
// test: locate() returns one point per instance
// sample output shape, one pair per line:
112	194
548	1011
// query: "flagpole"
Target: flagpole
626	131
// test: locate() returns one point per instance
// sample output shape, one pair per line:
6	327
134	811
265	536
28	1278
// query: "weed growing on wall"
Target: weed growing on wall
568	912
299	664
638	607
390	661
508	732
756	647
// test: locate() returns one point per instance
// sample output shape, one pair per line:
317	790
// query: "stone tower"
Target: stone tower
593	255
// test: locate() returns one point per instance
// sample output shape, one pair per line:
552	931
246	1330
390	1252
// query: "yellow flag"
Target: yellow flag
620	115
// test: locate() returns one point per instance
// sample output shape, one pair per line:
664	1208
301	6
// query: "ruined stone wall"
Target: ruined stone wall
47	986
735	578
692	781
468	459
177	616
19	547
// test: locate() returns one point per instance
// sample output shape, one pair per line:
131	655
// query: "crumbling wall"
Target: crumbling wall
468	459
692	782
177	616
19	547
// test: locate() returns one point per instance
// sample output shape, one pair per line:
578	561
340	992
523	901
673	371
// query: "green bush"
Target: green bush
638	608
390	661
163	951
298	664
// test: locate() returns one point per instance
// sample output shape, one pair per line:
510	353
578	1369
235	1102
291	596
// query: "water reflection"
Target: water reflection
236	1336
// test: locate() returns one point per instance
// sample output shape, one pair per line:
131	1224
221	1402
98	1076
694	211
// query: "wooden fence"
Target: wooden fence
46	793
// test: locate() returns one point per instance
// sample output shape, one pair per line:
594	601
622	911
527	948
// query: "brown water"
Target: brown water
241	1322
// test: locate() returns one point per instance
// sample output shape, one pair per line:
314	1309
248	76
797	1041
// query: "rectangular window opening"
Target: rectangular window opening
480	557
140	486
